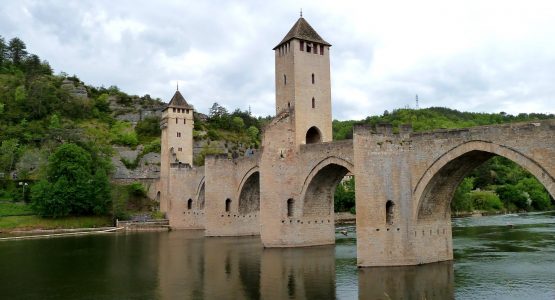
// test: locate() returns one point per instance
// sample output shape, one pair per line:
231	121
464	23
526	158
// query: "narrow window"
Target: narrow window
179	134
184	121
179	149
174	110
284	79
312	78
315	49
313	103
308	47
290	206
187	111
176	120
321	49
189	204
227	205
289	105
302	45
389	205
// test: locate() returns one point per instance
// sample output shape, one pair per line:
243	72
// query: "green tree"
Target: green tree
238	123
17	50
74	185
253	133
536	192
462	200
3	50
9	150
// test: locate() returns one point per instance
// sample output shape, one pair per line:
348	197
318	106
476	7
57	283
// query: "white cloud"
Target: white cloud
468	55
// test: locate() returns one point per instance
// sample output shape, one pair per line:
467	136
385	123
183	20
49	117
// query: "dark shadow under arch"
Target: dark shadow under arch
313	135
318	197
249	198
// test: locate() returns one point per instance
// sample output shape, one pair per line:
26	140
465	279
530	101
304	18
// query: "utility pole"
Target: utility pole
417	106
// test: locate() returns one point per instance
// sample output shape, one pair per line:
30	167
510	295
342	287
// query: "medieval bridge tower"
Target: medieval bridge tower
302	78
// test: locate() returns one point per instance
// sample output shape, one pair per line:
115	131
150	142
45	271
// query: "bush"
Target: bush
148	127
137	189
486	200
123	134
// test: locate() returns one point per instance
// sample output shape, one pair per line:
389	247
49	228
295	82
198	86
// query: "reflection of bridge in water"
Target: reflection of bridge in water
194	267
284	192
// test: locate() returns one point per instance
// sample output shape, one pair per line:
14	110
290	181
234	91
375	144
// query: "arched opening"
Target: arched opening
313	135
189	204
486	171
516	184
389	213
227	205
290	207
313	78
249	198
201	197
319	195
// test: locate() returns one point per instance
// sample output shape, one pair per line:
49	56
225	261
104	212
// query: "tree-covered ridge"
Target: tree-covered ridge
427	119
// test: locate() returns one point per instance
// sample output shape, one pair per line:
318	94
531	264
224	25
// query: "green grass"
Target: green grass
36	222
14	209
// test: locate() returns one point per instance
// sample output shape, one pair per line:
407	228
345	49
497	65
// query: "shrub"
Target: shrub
486	200
137	189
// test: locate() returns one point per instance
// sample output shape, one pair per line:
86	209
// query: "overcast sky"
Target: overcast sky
482	56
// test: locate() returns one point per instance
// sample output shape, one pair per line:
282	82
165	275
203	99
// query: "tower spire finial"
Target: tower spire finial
301	12
177	83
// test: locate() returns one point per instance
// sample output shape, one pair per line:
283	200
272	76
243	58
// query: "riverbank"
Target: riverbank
20	224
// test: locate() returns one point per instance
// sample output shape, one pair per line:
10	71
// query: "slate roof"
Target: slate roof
178	101
303	31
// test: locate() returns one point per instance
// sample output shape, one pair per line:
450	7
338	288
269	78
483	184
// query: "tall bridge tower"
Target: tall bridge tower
302	81
176	142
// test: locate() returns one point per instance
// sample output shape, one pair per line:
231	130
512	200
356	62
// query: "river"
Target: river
496	257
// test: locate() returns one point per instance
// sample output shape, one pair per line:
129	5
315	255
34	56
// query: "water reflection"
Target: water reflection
492	261
431	281
298	273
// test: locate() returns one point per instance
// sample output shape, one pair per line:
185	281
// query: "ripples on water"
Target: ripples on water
498	257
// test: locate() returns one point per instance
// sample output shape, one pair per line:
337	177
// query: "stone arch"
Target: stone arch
441	179
249	197
313	135
319	186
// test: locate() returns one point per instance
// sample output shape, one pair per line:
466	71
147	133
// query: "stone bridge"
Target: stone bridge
404	184
284	192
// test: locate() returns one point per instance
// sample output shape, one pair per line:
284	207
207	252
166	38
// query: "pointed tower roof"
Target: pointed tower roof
178	101
303	31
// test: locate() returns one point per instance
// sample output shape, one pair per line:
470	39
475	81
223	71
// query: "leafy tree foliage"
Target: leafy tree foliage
344	197
17	51
74	185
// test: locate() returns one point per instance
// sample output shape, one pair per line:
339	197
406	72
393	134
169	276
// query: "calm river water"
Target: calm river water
492	261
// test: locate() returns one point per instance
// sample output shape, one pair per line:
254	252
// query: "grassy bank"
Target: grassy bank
35	222
8	208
